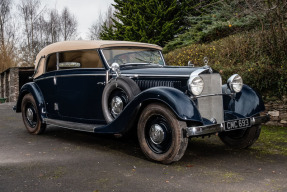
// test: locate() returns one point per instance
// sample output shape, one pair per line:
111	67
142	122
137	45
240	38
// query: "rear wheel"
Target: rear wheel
160	134
31	116
241	139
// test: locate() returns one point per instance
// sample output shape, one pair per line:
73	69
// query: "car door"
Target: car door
80	83
48	86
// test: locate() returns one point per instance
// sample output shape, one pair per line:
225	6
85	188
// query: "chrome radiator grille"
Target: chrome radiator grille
145	84
211	106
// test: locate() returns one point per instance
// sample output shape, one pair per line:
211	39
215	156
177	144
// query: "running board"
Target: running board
73	125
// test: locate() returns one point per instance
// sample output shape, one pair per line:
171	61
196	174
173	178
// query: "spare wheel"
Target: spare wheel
116	95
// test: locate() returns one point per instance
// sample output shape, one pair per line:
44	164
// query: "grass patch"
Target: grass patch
272	140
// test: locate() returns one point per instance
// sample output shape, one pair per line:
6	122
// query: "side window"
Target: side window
79	59
51	63
40	68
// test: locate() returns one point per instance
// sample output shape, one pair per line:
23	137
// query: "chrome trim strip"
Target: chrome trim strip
162	58
57	56
203	130
149	75
211	129
43	78
72	125
260	119
210	95
101	50
197	72
70	75
73	75
107	76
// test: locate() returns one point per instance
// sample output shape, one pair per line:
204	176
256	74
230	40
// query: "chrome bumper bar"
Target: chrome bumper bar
210	129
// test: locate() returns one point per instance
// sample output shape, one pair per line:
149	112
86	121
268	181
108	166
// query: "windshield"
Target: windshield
133	56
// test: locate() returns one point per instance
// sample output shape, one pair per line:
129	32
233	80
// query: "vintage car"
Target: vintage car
112	87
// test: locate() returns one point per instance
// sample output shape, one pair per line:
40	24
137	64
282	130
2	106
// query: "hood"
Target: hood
160	71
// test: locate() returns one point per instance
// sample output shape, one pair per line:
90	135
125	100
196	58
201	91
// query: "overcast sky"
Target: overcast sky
86	11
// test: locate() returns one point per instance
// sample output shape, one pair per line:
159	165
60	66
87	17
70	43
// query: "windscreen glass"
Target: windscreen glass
130	56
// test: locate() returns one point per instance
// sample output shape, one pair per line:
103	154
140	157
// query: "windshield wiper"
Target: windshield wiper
139	64
143	60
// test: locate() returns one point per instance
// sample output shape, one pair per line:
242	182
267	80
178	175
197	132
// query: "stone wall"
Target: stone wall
14	84
278	112
10	80
2	86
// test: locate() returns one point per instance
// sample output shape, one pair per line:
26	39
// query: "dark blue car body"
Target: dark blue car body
72	98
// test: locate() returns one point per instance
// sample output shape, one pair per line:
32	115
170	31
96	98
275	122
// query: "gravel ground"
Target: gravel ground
66	160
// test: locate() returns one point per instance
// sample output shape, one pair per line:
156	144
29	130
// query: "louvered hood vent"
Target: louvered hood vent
145	84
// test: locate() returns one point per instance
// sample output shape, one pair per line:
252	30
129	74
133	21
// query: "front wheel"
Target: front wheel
241	139
31	116
160	134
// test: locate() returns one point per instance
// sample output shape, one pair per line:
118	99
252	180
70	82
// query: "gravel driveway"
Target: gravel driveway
66	160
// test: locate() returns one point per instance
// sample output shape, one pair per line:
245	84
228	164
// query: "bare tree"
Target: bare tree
54	26
5	7
30	12
68	25
7	36
106	20
109	18
96	28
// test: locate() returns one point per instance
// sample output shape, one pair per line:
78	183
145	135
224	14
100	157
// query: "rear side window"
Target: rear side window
51	63
80	59
74	59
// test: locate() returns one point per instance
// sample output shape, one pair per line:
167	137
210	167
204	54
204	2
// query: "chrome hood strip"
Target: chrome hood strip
198	72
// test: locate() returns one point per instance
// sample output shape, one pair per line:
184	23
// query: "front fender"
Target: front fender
37	94
246	103
183	107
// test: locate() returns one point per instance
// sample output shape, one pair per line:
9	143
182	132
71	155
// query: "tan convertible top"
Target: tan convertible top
81	45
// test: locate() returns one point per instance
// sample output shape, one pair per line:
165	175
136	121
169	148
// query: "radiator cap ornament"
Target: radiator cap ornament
205	61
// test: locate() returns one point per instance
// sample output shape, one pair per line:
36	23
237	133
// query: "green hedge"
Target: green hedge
244	54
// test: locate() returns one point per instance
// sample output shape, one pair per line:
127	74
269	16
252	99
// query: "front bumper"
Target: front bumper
210	129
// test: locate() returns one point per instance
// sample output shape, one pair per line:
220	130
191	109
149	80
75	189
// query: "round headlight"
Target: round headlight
195	85
235	83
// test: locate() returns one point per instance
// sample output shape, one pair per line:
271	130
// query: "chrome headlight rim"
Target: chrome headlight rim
195	85
235	83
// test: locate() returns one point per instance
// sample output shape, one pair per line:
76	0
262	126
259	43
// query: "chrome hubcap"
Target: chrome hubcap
117	105
156	134
30	115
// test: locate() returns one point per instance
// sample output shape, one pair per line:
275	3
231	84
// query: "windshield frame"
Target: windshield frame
143	64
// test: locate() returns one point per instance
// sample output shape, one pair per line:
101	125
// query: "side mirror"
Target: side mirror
116	68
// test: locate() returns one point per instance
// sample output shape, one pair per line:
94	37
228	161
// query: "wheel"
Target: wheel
160	134
116	95
30	115
241	139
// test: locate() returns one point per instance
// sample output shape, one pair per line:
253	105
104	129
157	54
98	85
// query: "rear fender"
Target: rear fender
37	94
